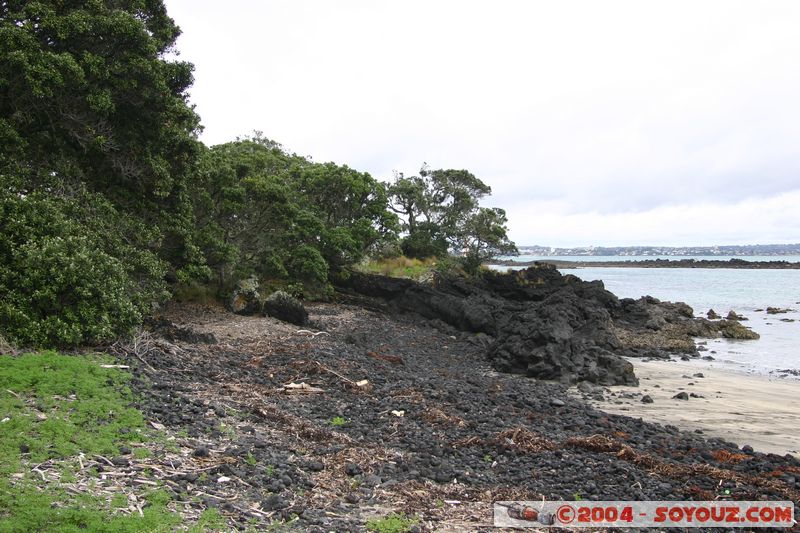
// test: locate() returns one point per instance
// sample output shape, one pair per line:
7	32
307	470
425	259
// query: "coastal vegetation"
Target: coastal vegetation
61	413
110	205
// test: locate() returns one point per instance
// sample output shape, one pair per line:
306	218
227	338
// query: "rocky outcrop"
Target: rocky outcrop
284	306
777	310
731	329
544	324
733	315
548	325
712	315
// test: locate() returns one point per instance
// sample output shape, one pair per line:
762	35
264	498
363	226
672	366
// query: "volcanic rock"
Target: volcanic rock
245	299
547	325
283	306
731	329
732	315
777	310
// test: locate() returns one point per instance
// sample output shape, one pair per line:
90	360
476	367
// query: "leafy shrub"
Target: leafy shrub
71	271
427	241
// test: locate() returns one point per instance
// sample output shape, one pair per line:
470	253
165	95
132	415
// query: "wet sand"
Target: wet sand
746	409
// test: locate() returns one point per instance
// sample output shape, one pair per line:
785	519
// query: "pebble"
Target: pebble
274	502
315	466
352	469
201	451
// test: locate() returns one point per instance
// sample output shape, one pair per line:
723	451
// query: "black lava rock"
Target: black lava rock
283	306
352	469
201	451
316	466
274	502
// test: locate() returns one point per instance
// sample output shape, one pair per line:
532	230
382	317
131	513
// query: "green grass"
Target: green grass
54	407
338	421
210	520
394	523
400	267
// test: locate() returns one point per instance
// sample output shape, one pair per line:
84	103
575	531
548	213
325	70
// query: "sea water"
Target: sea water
742	290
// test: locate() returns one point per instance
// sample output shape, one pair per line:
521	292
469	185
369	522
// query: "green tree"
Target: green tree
264	211
73	271
88	101
483	236
96	142
441	211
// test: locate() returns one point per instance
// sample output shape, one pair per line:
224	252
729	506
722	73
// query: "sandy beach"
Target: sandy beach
745	409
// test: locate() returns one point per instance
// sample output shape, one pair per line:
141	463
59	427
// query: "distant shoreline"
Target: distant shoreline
656	263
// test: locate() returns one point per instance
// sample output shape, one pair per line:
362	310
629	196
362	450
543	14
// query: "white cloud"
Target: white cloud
615	110
771	220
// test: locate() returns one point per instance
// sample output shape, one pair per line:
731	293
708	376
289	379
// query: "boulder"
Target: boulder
245	299
732	315
284	306
712	315
777	310
730	329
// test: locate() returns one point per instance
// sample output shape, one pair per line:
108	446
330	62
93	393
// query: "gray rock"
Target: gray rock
316	466
201	451
283	306
681	396
245	299
352	469
274	502
733	315
647	399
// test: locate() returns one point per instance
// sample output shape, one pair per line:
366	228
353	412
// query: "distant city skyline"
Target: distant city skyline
720	250
617	122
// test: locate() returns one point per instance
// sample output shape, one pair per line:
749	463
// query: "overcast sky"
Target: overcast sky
604	123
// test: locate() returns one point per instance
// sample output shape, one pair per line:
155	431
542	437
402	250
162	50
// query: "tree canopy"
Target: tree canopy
86	97
261	210
97	142
441	211
108	200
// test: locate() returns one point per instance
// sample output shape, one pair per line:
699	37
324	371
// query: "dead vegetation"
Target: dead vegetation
662	467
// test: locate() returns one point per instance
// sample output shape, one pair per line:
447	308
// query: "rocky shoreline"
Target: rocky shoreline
655	263
547	325
372	408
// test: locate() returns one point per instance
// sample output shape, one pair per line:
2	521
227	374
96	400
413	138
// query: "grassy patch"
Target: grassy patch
400	267
338	421
54	407
394	523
